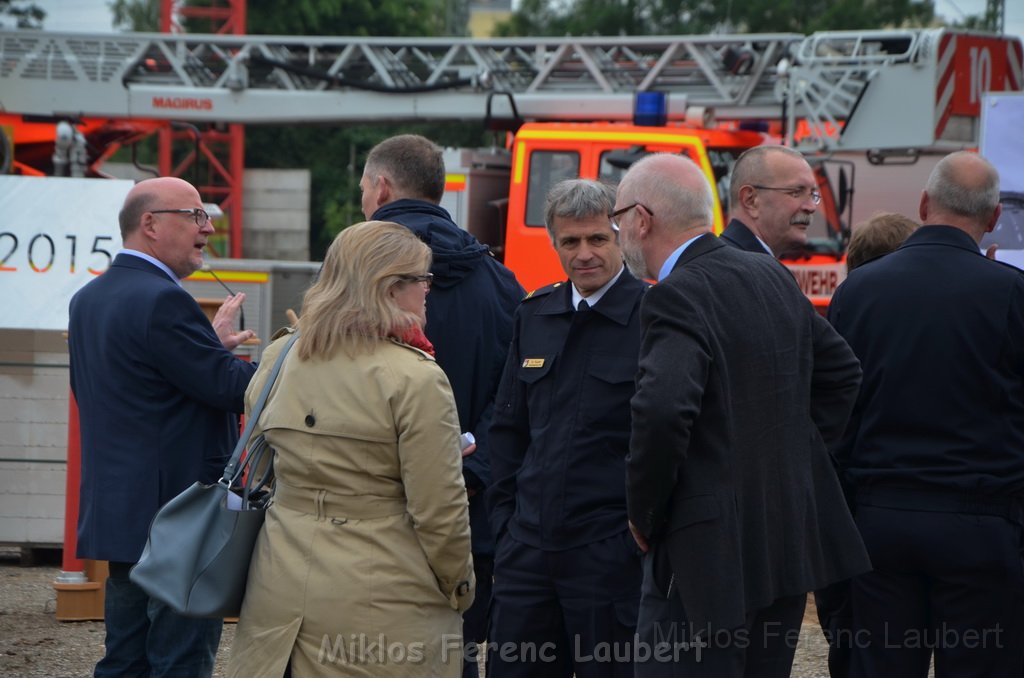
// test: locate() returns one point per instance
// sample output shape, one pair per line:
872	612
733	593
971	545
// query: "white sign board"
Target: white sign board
56	235
1002	143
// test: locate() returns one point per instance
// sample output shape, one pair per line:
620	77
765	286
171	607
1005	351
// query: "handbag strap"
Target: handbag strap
254	414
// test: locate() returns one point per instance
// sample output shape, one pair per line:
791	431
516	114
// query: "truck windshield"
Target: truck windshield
547	168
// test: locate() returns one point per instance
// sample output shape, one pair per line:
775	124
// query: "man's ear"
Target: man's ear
922	208
995	218
749	201
385	191
644	222
147	226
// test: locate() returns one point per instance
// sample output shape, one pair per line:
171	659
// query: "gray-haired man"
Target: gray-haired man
567	573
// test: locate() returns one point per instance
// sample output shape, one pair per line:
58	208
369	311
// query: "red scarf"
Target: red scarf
415	337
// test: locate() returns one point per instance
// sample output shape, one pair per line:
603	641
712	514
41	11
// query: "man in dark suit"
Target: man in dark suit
567	573
773	195
935	448
158	390
469	322
729	482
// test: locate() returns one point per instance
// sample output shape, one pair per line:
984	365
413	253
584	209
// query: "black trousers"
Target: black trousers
835	614
762	648
948	584
562	613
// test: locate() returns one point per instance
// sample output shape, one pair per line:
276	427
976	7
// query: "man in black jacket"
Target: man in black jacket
935	448
567	573
773	196
469	322
741	389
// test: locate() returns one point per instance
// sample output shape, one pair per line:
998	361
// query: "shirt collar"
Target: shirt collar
594	296
670	263
156	262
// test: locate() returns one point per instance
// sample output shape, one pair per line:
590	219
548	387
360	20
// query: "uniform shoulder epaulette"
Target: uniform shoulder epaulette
543	291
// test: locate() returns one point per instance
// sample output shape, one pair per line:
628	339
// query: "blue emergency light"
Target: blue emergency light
650	109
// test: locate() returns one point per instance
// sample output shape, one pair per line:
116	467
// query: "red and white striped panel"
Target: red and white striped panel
946	85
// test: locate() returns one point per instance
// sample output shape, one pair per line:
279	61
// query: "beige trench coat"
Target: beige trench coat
363	564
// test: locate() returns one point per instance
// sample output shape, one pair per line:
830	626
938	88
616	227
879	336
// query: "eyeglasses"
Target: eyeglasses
797	193
426	277
615	225
625	209
199	214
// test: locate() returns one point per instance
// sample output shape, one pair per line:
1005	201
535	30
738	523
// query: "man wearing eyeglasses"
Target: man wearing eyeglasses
773	196
158	393
741	389
567	572
469	322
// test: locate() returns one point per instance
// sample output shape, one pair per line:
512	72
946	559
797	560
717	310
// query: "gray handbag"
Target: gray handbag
196	559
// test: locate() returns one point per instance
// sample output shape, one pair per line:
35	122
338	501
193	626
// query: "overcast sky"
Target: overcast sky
94	15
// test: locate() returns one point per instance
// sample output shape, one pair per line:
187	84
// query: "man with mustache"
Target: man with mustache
772	197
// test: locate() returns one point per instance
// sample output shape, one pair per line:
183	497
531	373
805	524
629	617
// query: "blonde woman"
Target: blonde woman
363	564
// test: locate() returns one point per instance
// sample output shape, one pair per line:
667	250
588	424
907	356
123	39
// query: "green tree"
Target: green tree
25	14
670	17
141	16
335	153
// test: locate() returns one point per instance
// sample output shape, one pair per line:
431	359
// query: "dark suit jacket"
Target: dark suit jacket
738	235
155	390
940	331
729	474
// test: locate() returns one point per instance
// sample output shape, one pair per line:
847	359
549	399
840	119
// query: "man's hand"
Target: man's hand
990	251
638	538
224	323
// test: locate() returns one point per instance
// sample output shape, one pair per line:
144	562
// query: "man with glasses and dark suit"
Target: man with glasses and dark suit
158	392
773	195
741	390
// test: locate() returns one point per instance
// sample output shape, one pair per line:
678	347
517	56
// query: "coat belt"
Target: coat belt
324	504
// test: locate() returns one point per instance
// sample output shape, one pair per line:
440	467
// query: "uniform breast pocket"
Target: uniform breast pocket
536	376
607	389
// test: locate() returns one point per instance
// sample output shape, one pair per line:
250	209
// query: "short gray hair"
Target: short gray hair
577	199
414	164
751	168
956	185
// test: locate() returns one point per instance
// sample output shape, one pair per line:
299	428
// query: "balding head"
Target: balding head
674	188
157	219
147	195
667	201
962	191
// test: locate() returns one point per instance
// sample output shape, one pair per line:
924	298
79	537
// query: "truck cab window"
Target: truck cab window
547	168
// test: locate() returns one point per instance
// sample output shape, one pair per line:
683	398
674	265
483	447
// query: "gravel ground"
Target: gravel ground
34	644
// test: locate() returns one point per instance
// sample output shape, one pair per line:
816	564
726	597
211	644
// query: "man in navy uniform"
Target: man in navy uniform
567	573
935	449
